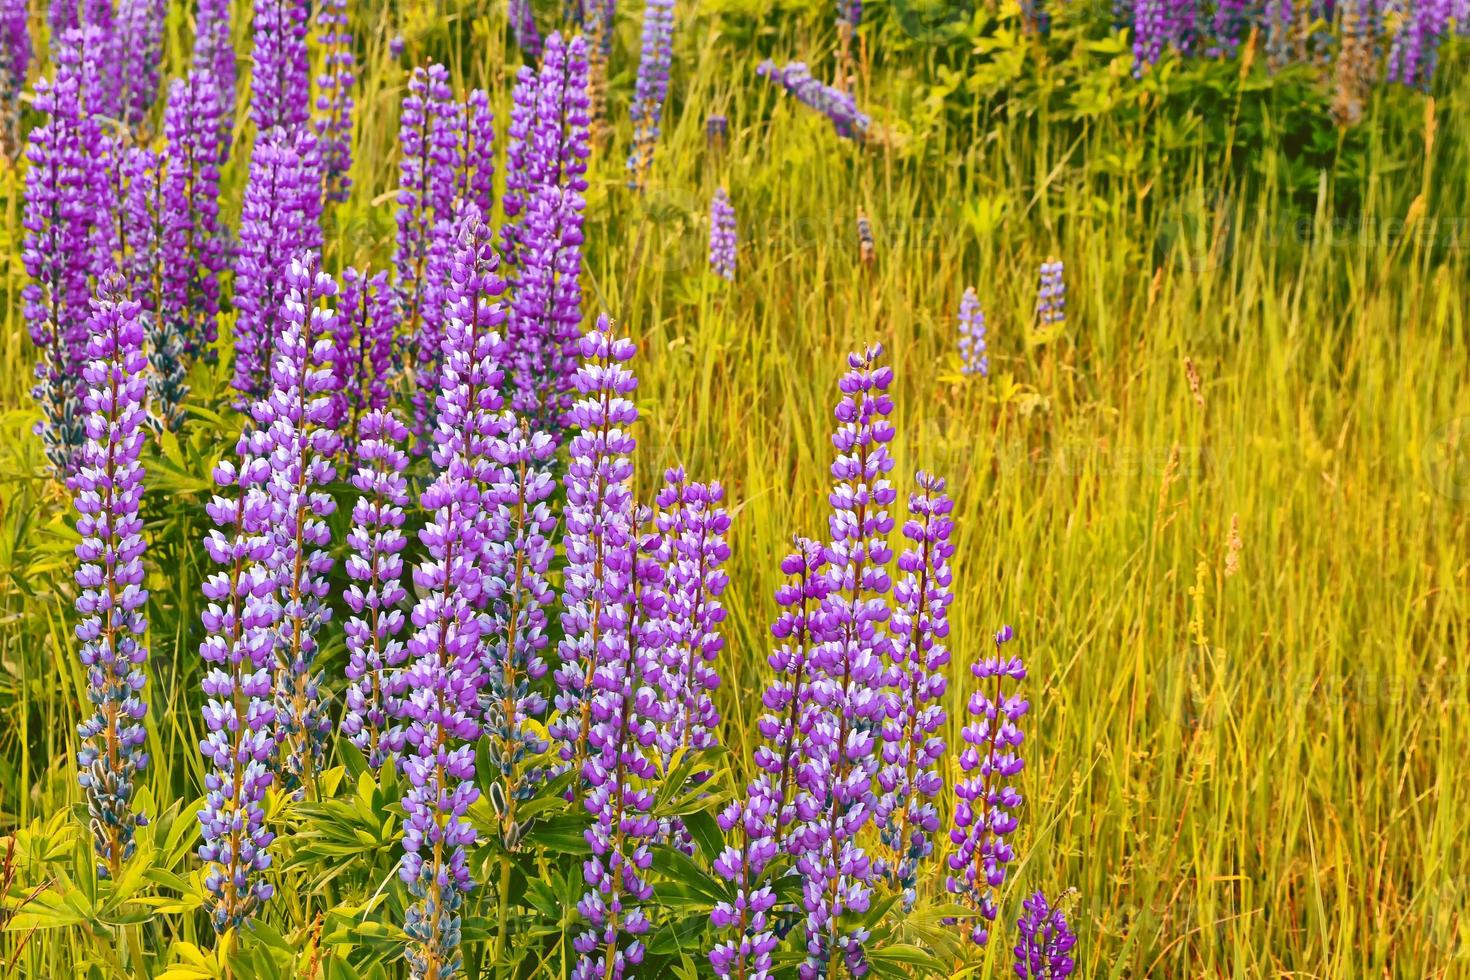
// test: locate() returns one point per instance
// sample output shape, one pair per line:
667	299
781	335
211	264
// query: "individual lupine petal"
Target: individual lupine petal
913	740
519	556
694	525
848	671
973	359
722	236
1044	950
238	649
335	78
651	88
294	422
214	55
375	654
107	489
598	514
280	82
279	220
523	28
621	769
800	629
362	355
1051	297
193	241
66	191
984	816
834	103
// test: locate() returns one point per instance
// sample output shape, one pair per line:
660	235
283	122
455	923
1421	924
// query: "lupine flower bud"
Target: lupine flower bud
651	88
973	359
621	771
1051	297
108	488
375	654
984	815
848	673
238	647
333	119
294	423
280	83
836	104
1044	949
913	743
722	236
279	220
598	514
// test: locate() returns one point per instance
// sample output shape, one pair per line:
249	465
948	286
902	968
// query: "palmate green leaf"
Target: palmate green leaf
901	960
682	875
563	834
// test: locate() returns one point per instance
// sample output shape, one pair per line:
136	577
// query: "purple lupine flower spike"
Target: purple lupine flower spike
440	707
15	61
984	816
523	27
547	305
375	654
694	525
333	118
651	88
848	671
108	488
278	221
913	743
722	236
1051	297
598	512
193	245
280	83
1044	950
521	154
295	422
214	55
66	193
477	179
834	103
1414	53
621	769
136	44
761	820
362	357
973	359
520	556
238	647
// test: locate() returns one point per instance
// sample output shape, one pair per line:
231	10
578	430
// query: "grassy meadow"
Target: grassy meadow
1224	506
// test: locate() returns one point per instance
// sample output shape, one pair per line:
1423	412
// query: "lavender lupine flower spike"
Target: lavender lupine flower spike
193	249
694	525
834	103
520	556
280	85
621	772
108	487
1414	52
362	356
136	52
295	424
240	712
984	815
523	27
214	55
278	221
912	742
598	514
335	77
973	359
761	820
651	88
15	61
63	198
722	236
440	709
1051	297
548	306
1044	949
375	654
848	671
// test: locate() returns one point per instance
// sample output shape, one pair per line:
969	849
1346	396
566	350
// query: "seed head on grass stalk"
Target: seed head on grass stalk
108	488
